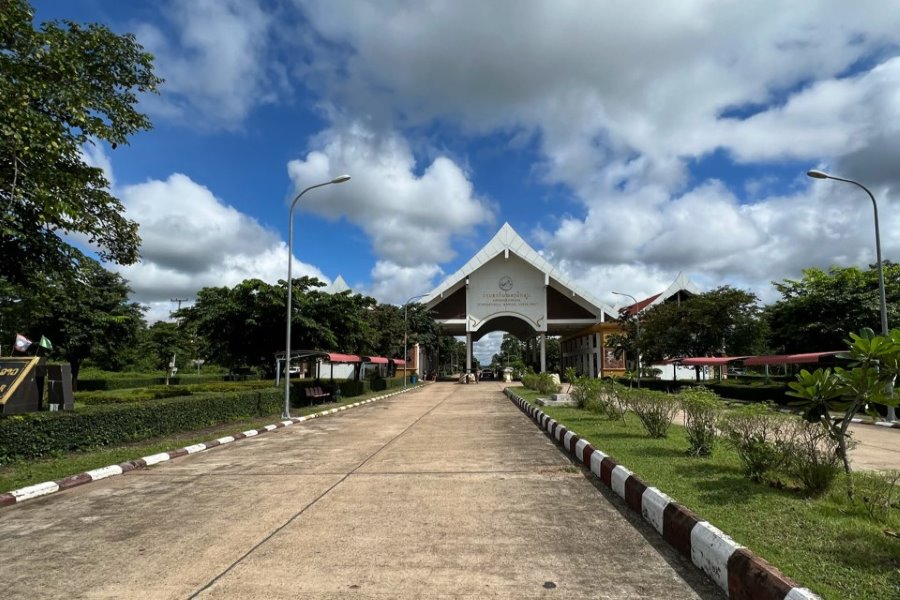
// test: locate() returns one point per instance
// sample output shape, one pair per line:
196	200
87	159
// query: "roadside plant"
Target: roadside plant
878	492
811	456
545	384
585	392
613	397
874	366
756	432
655	410
701	408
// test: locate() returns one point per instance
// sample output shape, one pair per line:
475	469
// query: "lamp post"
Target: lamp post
816	174
290	286
637	335
405	331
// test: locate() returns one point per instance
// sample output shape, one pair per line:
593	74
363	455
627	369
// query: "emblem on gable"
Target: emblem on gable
506	283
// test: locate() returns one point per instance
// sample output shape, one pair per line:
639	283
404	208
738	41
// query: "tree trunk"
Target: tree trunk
76	367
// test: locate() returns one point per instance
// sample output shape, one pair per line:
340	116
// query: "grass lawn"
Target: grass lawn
826	544
21	473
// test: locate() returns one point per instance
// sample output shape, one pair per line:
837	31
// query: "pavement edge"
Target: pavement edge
45	488
734	568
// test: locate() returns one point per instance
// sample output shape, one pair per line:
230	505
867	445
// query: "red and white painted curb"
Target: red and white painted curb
739	572
49	487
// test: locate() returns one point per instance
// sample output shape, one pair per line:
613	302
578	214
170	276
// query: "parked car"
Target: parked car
486	374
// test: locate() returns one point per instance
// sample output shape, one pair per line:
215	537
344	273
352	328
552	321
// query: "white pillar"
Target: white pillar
468	353
543	353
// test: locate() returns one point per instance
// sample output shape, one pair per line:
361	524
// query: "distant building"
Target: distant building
589	352
508	286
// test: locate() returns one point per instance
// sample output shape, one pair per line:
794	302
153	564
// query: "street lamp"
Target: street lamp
637	335
405	328
816	174
287	353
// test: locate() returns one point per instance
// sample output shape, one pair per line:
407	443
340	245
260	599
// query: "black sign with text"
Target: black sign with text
17	384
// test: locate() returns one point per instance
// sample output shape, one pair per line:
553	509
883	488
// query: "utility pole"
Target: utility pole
178	301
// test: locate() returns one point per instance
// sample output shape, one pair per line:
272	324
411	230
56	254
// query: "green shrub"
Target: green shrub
137	381
701	411
157	392
655	410
878	492
757	434
530	380
585	392
546	384
36	435
811	456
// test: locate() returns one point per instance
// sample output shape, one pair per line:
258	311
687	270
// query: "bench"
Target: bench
315	393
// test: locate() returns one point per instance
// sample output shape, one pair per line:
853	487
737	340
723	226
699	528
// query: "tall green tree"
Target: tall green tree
722	321
87	316
386	322
822	309
62	86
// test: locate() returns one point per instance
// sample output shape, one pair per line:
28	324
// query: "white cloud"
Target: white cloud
411	215
217	63
622	97
395	284
191	239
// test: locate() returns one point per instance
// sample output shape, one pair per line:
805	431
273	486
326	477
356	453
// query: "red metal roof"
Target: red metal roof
711	360
336	357
785	359
398	361
636	308
378	360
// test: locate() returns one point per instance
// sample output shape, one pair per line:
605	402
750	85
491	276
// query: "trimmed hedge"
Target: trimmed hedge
158	392
42	434
89	385
757	392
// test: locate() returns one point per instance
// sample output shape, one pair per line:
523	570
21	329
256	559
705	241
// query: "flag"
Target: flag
22	343
45	344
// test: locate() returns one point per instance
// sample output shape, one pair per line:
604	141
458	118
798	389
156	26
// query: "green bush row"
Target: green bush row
775	392
136	382
36	435
157	392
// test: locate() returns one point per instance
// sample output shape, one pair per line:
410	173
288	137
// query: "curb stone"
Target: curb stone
739	572
50	487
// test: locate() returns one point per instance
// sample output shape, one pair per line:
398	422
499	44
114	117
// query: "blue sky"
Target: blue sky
625	141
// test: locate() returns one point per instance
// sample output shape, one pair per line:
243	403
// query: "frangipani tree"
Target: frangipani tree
867	380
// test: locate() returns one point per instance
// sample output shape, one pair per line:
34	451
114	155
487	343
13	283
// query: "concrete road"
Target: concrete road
448	491
877	449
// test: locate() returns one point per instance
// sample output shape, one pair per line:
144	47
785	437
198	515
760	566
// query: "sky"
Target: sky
625	141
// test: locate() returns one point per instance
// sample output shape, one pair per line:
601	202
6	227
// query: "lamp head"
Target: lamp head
341	179
817	174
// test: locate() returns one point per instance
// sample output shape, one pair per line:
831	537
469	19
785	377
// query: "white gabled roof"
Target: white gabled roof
681	283
507	239
337	286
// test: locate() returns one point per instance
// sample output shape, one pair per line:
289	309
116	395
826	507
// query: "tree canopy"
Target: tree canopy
63	86
819	311
87	316
245	325
724	320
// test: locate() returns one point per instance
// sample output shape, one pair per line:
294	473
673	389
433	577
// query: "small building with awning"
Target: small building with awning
318	364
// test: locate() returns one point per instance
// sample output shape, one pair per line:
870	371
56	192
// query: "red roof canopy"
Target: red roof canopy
336	357
378	360
711	360
398	361
784	359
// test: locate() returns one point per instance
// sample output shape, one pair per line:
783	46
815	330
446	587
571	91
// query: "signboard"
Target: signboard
609	356
507	286
18	388
13	372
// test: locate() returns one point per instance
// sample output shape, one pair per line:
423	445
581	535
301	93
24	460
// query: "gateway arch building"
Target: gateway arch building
508	286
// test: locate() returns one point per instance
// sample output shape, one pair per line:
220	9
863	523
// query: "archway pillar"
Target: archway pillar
543	353
468	352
